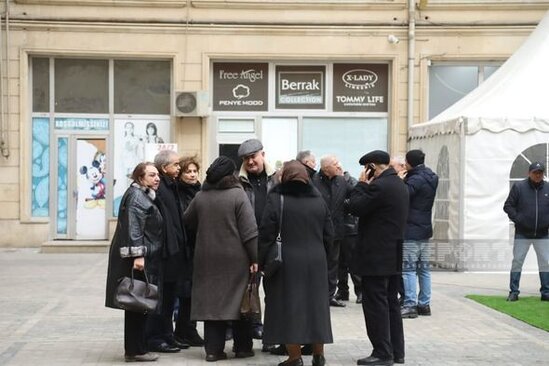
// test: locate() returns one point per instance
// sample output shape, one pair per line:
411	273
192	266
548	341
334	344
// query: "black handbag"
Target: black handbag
250	307
273	262
136	295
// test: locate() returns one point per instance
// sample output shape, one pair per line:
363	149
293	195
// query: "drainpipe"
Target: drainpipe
411	59
4	142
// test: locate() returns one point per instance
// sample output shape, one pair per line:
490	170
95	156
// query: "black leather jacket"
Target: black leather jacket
138	234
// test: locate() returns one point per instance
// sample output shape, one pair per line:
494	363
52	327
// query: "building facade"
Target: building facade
90	87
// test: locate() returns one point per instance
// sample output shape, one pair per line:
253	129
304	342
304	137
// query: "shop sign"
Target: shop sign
240	86
360	87
82	124
300	87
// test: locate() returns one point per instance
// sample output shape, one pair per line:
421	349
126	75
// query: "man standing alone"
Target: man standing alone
528	207
422	185
380	200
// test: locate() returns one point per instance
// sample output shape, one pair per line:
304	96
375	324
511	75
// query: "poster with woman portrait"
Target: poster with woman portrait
131	137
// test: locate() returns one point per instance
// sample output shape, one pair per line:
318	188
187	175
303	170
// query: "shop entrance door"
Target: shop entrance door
81	190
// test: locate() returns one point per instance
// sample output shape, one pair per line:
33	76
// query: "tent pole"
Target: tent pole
462	164
411	60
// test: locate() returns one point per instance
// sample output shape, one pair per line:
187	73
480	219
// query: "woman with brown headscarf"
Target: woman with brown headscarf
297	309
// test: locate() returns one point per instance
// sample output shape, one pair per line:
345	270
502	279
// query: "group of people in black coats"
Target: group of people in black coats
200	244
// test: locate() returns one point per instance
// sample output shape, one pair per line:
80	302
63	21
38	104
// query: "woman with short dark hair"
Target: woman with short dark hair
136	245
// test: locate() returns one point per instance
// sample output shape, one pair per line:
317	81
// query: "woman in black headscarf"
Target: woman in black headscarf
297	309
225	254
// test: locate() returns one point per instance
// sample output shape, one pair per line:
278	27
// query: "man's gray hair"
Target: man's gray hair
163	158
303	155
326	160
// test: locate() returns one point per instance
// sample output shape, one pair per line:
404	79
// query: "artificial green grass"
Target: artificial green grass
529	309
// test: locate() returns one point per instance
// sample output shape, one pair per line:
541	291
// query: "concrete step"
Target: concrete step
75	246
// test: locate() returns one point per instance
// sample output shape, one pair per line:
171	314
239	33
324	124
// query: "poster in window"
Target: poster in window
360	87
300	87
131	137
240	86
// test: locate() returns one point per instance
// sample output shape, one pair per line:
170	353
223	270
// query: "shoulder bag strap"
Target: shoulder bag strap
278	237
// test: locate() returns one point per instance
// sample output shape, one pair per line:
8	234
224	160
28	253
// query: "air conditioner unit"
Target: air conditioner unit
191	103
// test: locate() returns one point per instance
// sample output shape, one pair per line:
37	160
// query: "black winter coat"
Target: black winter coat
382	208
334	192
174	234
186	193
138	234
528	207
297	309
422	185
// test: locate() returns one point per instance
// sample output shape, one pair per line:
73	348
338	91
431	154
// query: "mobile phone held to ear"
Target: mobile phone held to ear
371	171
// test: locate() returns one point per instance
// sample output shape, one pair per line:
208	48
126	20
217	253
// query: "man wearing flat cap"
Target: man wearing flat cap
380	200
257	178
528	207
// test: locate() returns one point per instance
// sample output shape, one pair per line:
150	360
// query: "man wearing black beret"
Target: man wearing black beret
380	200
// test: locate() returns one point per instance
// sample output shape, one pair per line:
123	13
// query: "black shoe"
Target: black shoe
336	303
359	299
279	350
257	333
544	297
244	354
371	360
319	360
193	340
165	348
398	360
216	357
179	344
268	347
296	362
424	310
408	312
513	296
307	350
342	296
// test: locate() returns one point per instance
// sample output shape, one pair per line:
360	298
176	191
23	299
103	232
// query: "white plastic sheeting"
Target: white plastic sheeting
483	134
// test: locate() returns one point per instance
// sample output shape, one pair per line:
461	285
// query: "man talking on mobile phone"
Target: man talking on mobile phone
380	200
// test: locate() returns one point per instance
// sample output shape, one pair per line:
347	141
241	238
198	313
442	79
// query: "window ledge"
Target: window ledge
113	3
301	4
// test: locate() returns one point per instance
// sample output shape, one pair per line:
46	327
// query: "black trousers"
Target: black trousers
345	254
382	314
134	333
333	267
184	326
214	336
160	326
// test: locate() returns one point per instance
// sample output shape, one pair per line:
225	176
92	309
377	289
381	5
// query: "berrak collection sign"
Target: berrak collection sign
240	86
300	87
360	87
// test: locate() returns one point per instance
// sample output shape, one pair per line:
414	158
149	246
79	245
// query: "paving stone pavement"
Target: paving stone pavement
52	313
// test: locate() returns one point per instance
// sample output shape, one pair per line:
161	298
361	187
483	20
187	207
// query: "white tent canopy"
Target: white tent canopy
474	146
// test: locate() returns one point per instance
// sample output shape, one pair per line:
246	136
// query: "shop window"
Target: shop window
40	85
324	135
450	83
141	87
279	137
81	86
